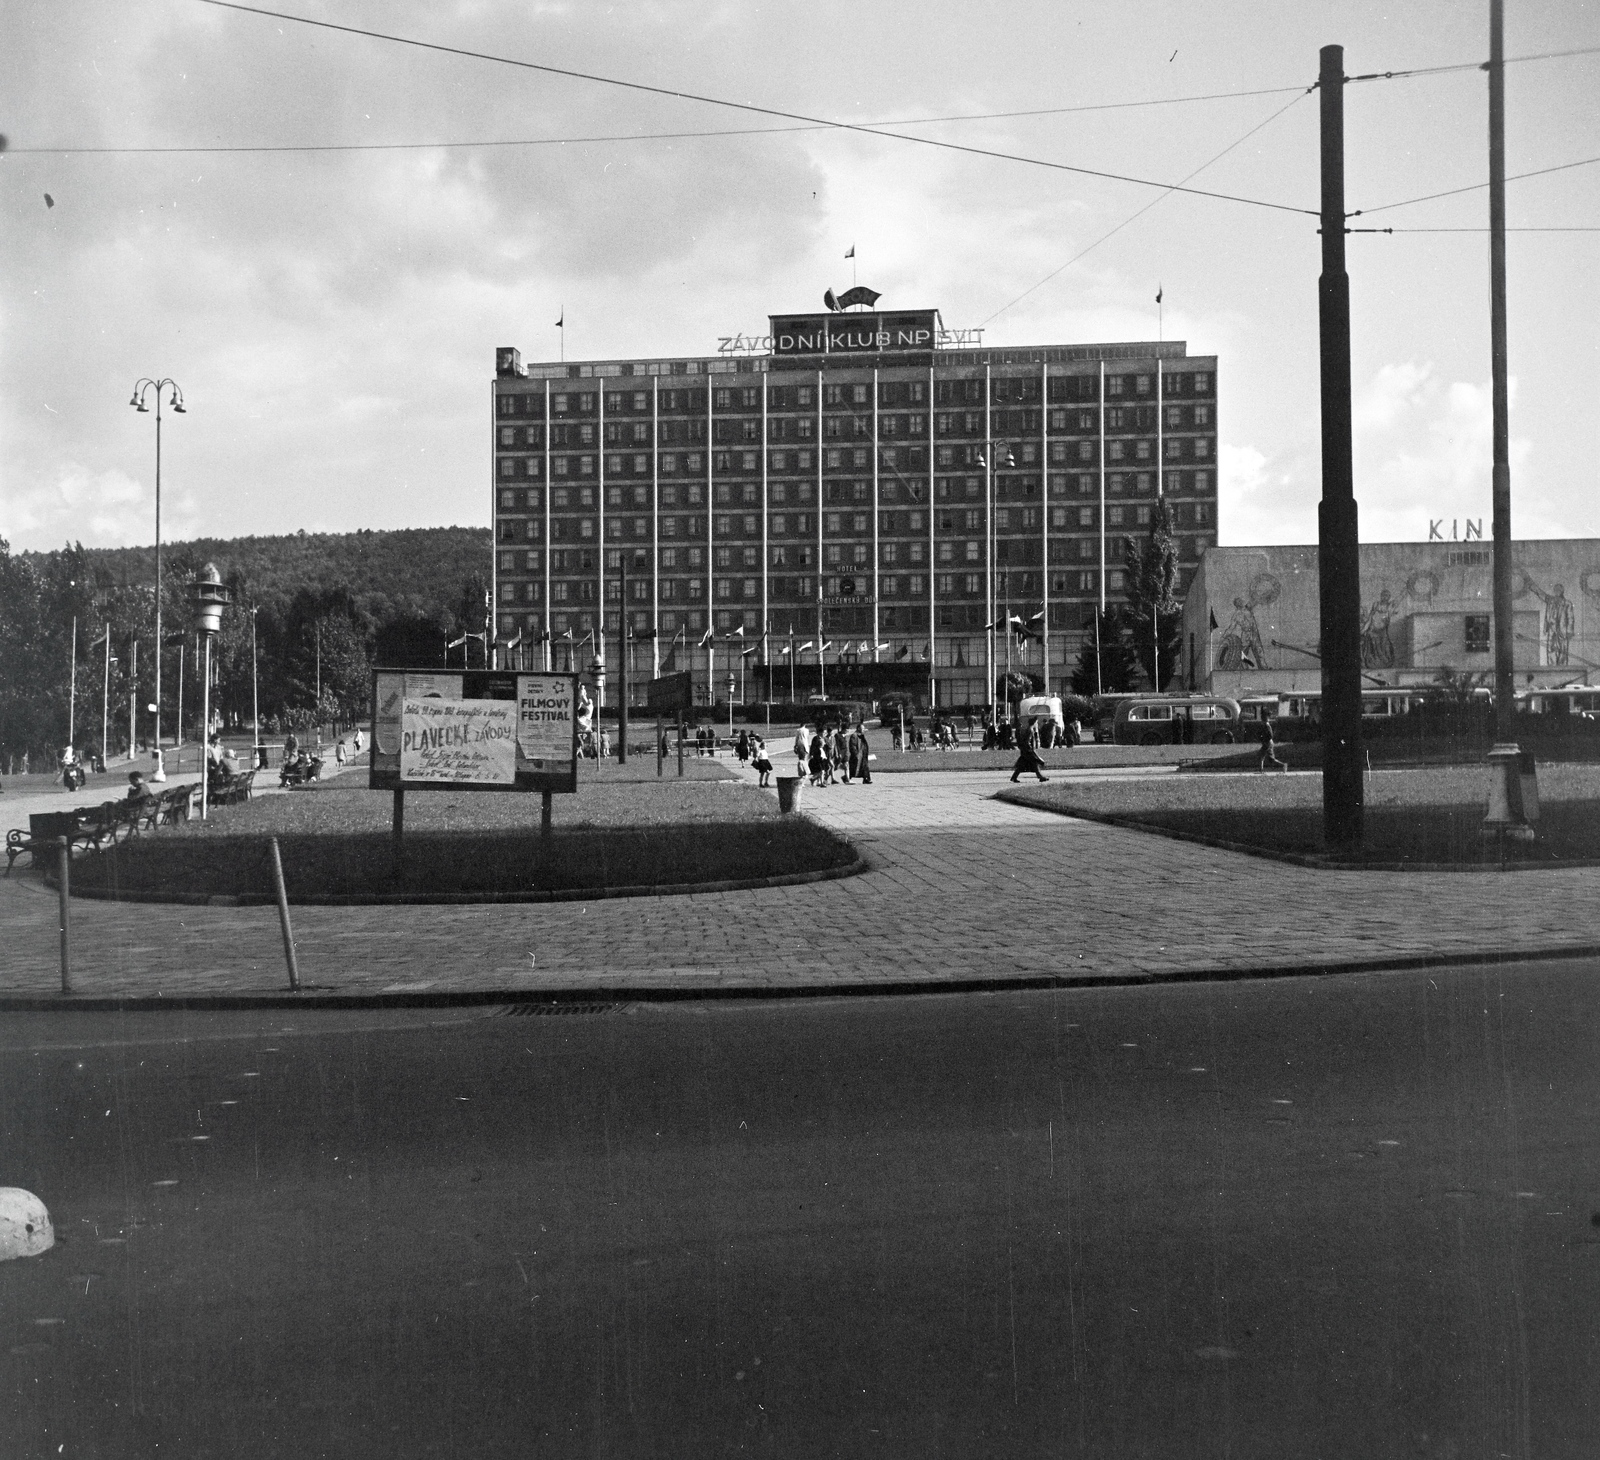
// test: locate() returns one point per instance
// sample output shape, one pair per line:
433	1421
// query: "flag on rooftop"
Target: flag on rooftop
851	252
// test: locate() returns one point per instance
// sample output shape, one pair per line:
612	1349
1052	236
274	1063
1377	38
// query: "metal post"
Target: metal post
283	916
133	697
680	742
622	668
397	829
205	733
105	701
661	753
72	687
1504	644
1339	543
64	891
255	692
545	810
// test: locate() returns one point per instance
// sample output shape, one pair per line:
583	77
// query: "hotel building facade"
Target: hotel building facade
855	480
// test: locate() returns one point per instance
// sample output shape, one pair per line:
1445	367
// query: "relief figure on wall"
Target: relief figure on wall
1241	641
1377	643
1560	621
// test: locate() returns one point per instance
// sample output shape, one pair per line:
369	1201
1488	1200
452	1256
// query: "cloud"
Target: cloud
98	508
1424	453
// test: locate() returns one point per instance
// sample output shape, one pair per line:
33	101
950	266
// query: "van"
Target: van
1148	719
1045	710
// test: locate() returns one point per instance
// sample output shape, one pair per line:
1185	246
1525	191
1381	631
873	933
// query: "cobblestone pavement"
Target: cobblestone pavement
961	888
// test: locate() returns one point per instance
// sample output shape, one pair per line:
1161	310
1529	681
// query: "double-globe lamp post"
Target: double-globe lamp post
210	598
141	389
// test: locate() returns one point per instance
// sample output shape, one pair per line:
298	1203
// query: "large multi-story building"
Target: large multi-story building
860	483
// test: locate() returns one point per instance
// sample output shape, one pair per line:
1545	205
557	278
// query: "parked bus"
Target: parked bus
1148	720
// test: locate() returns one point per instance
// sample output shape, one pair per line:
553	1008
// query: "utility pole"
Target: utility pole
1504	652
1338	540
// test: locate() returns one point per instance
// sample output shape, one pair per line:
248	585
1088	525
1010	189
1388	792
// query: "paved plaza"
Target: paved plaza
960	888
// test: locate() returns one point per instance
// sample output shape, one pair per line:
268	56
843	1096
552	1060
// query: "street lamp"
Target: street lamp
141	389
992	449
210	598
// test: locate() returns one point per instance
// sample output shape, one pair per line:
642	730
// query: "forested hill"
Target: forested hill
389	575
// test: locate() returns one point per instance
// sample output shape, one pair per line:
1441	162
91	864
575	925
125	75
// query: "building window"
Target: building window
1477	633
915	585
751	589
974	583
891	552
1114	580
974	552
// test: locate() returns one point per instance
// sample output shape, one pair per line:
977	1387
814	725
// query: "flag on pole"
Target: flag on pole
1158	293
807	645
902	652
457	643
561	320
882	647
1213	616
707	638
851	252
738	633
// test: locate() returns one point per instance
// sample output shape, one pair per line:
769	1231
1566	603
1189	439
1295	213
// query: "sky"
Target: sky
332	316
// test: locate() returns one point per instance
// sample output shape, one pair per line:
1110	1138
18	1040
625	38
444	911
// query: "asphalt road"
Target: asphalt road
1313	1217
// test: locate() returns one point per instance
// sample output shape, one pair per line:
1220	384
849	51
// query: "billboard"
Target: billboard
474	729
854	334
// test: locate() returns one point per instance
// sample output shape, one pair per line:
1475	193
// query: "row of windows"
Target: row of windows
531	499
1017	389
835	458
946	423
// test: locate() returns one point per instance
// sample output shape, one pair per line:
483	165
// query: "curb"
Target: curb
1314	860
456	899
646	994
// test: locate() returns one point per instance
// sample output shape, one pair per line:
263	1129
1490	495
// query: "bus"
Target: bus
1149	720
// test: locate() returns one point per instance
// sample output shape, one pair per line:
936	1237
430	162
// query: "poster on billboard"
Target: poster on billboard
474	729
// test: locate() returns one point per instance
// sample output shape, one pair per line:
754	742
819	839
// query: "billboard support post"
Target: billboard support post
398	832
661	749
545	815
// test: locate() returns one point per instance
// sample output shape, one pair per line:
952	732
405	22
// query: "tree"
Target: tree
1106	665
1153	616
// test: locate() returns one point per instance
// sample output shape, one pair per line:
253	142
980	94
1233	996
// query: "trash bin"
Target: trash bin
789	788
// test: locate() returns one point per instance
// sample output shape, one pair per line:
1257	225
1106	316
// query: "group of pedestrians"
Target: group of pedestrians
833	756
752	750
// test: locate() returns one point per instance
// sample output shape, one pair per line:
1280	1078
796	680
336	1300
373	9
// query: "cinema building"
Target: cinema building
867	482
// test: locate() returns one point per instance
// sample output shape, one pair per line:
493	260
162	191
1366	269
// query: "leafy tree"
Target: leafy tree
1106	663
1153	615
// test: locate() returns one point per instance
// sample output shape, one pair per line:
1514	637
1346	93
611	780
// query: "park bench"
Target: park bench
94	827
233	790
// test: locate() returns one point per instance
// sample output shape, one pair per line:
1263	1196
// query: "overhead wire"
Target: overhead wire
680	95
660	136
1473	187
1299	96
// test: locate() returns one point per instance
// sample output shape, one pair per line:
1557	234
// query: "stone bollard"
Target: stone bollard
25	1229
1513	794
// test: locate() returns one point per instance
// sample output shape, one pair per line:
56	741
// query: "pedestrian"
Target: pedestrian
137	790
742	749
836	761
358	740
1269	746
817	760
1028	760
866	755
852	757
761	760
802	750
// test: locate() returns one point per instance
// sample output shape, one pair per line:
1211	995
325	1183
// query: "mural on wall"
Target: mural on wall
1560	620
1241	641
1377	643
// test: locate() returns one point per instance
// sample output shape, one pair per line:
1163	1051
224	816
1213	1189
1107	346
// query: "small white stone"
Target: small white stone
25	1229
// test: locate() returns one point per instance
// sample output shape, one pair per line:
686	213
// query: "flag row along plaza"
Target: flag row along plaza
866	480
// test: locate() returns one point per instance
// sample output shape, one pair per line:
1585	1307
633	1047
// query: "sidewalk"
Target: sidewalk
962	890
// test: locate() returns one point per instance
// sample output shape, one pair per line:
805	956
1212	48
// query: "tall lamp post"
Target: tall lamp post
141	389
987	457
210	598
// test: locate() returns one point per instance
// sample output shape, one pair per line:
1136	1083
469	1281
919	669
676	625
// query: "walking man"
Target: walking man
1269	746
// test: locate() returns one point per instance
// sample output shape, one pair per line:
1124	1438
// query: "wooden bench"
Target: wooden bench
94	827
231	791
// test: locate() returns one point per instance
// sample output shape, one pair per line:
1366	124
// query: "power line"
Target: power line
862	129
1470	65
1299	96
661	136
1475	187
1475	230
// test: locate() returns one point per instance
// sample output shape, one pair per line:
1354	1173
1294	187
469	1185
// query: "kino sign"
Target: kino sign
855	334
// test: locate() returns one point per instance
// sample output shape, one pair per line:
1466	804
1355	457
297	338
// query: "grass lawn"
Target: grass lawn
623	828
1427	815
1078	758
